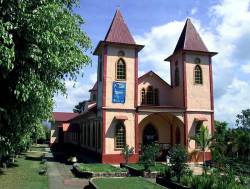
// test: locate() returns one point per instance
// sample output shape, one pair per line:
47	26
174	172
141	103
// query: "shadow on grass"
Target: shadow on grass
33	158
12	165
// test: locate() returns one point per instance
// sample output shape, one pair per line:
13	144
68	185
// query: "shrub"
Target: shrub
178	158
127	152
149	155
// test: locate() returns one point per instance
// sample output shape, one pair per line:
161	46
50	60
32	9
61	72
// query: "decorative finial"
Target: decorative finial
188	14
118	6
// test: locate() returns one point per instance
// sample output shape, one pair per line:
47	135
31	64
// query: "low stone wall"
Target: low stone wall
137	172
89	174
92	185
169	183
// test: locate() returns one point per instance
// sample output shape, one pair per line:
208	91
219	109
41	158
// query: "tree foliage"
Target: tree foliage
178	157
204	140
127	152
41	43
80	107
243	119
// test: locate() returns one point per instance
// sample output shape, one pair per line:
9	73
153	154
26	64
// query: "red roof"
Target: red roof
121	117
63	116
94	87
200	119
118	31
190	39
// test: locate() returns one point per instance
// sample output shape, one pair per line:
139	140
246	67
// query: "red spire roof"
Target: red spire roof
190	39
118	31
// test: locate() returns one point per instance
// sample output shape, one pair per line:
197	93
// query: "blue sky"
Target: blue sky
222	24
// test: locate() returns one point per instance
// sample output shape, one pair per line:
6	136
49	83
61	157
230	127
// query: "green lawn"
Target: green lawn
100	168
124	183
24	173
157	168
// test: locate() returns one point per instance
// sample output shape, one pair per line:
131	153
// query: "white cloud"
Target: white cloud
245	68
140	73
93	78
193	11
75	94
229	34
159	44
233	101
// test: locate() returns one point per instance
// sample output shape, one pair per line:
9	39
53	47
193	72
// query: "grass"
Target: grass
140	167
24	173
124	183
100	168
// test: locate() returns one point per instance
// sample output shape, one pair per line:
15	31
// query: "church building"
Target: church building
124	109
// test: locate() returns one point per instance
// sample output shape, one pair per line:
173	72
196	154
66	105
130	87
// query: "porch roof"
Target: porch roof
71	127
200	119
121	117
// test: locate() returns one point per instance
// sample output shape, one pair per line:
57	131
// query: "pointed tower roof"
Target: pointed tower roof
118	34
190	40
118	31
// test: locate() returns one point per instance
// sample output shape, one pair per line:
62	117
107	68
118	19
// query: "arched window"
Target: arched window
156	97
177	77
198	74
197	132
143	96
149	134
177	136
150	95
120	69
120	136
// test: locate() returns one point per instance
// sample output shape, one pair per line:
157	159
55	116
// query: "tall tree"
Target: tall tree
204	140
41	43
80	107
243	119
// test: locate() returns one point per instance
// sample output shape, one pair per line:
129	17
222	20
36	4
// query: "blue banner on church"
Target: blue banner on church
119	92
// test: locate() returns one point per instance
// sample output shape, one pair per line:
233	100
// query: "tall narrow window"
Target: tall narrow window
150	95
120	69
177	136
198	74
143	96
177	77
197	132
156	97
120	136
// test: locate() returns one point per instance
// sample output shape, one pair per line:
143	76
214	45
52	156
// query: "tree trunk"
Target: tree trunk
204	163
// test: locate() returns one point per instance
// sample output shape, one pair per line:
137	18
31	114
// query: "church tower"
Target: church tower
117	83
191	78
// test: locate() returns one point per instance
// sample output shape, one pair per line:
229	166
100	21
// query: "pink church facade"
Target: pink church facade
124	109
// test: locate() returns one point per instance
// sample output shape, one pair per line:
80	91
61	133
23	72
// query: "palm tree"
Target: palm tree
204	140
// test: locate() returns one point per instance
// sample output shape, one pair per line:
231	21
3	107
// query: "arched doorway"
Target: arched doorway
149	135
